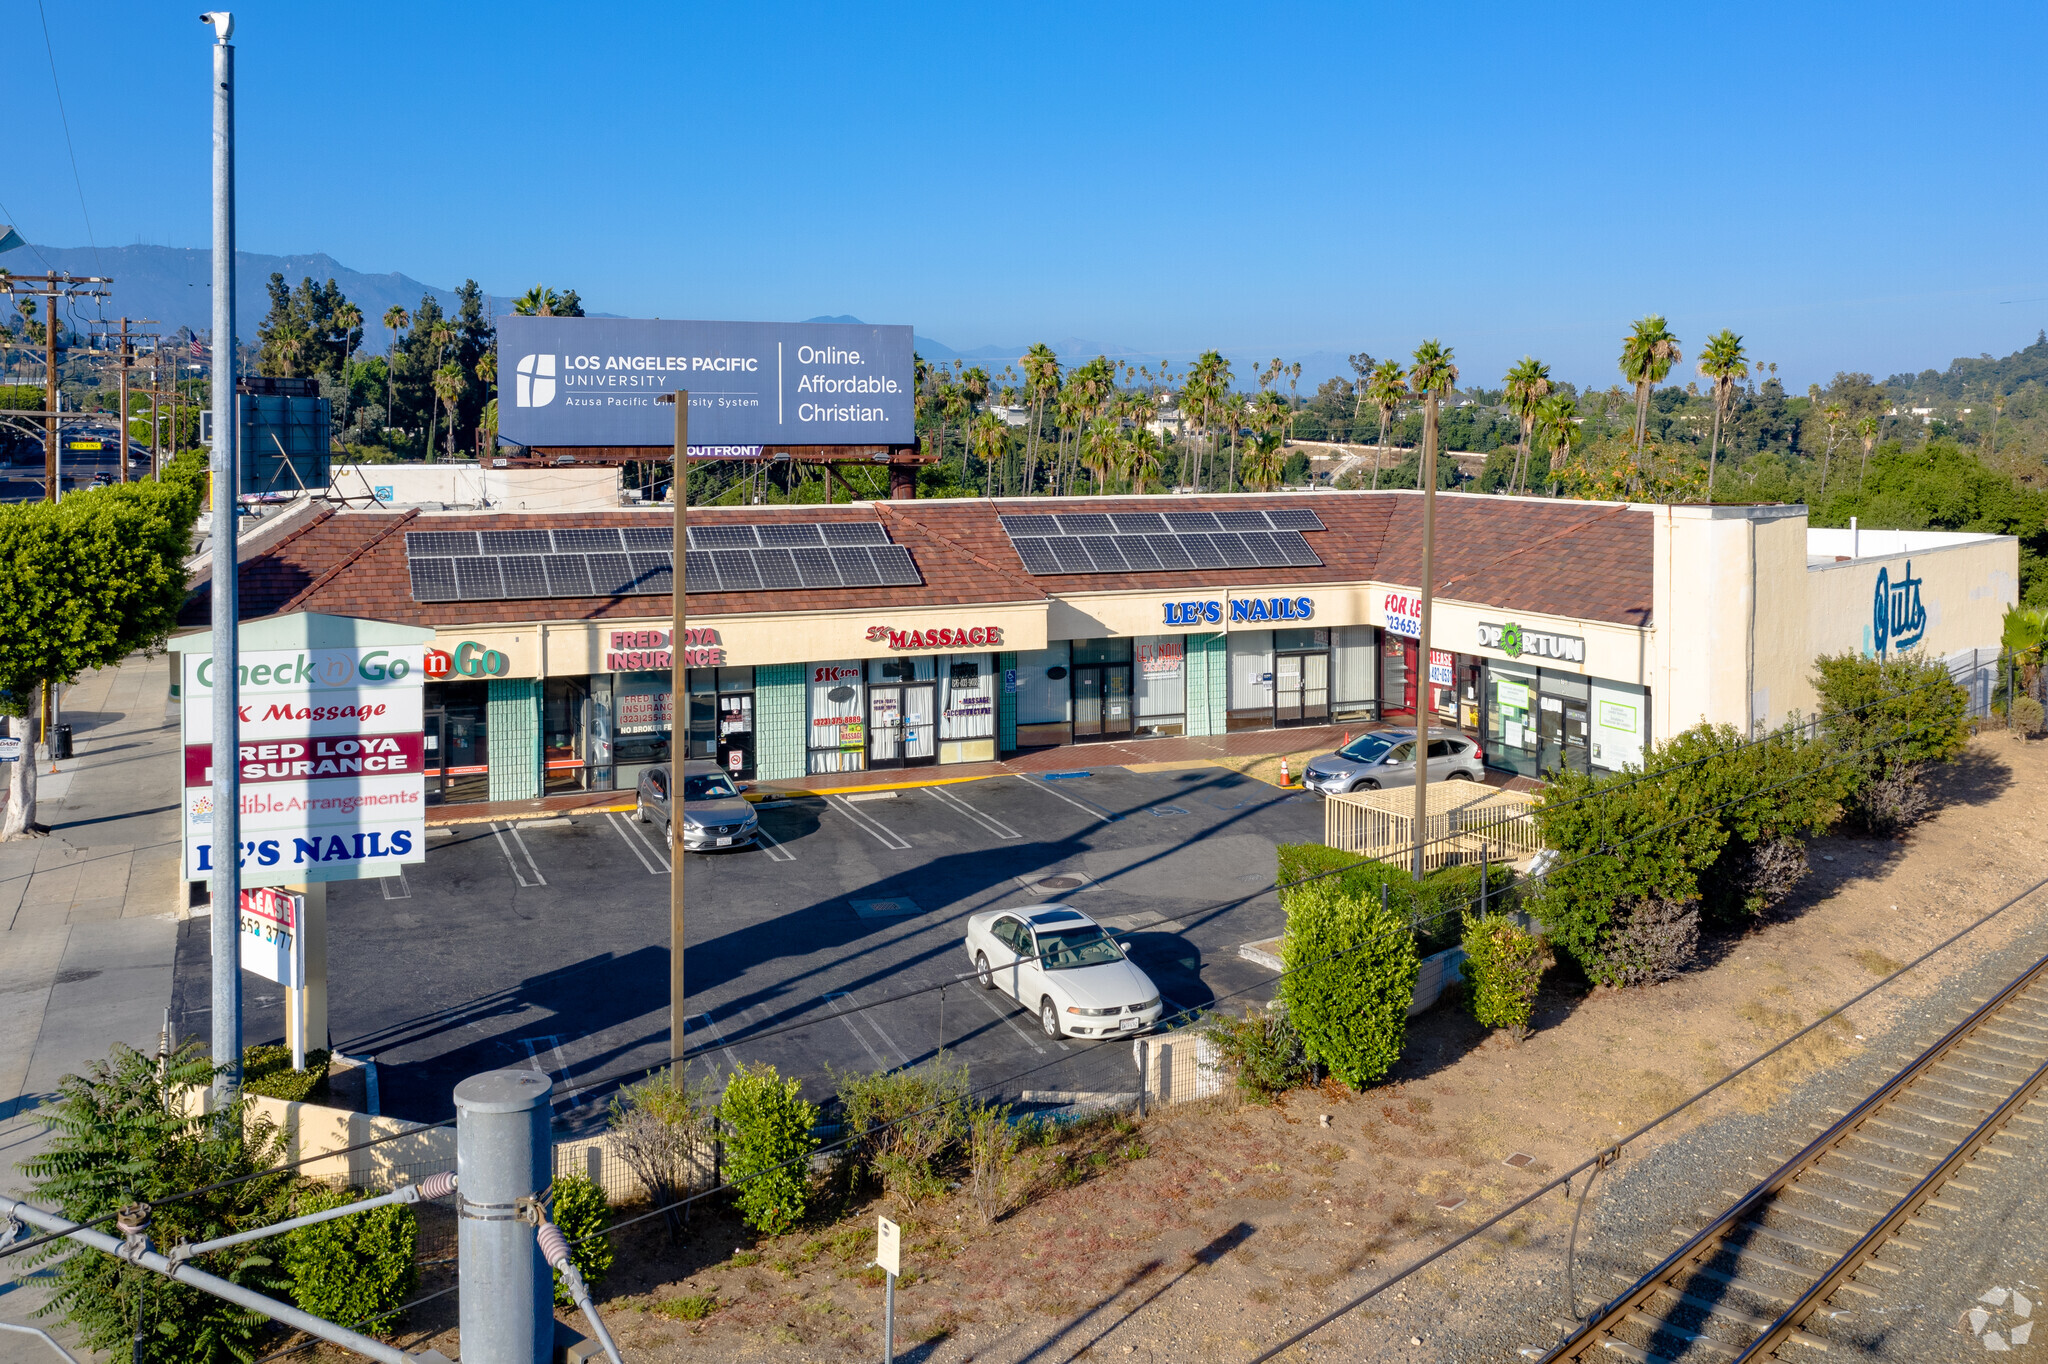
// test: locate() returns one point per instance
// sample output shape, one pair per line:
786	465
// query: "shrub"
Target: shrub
1503	967
353	1268
993	1173
1776	792
1434	906
1649	940
2027	715
268	1071
1262	1052
581	1210
768	1144
1351	968
902	1122
1893	801
662	1128
1885	717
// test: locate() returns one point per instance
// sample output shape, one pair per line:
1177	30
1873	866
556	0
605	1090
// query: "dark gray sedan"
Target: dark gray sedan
714	813
1387	758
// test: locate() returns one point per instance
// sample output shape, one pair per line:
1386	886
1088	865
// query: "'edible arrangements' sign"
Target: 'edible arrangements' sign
594	380
332	764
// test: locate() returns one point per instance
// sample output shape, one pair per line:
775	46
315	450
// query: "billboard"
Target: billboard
332	764
570	381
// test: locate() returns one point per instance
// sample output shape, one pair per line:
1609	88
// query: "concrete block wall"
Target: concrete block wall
1006	708
780	739
1207	676
514	733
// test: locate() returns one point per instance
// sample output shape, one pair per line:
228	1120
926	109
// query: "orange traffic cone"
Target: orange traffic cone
1285	778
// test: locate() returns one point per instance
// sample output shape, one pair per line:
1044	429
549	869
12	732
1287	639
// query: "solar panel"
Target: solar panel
478	579
568	575
1294	518
814	566
1102	549
426	542
649	537
699	574
593	540
1172	553
854	533
611	575
736	569
722	537
1264	550
856	569
1086	523
790	535
894	563
1202	549
1072	556
1296	549
777	569
1234	552
516	542
654	574
1031	525
433	580
1140	554
1241	520
524	575
1192	521
1138	523
1037	558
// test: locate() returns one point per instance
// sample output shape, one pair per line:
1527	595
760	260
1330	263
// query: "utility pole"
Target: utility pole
127	357
679	724
50	288
227	469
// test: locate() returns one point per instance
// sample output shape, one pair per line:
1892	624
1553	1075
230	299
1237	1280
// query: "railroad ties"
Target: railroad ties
1747	1286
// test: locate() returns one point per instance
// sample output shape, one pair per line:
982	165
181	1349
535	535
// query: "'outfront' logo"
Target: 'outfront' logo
535	381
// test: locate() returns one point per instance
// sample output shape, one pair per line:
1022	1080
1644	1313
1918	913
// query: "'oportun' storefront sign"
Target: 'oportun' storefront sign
595	381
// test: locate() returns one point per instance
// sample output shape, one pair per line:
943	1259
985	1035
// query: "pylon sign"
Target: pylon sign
333	767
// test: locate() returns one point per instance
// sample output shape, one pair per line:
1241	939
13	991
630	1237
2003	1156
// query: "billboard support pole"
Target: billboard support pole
227	792
679	722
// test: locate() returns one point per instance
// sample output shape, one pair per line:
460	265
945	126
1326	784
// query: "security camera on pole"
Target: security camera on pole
227	469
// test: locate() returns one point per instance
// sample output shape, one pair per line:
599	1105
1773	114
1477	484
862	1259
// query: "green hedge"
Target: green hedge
582	1211
355	1267
268	1071
1503	967
1437	902
1351	969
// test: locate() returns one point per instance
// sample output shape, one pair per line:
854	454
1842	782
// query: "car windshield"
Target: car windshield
712	786
1366	747
1080	946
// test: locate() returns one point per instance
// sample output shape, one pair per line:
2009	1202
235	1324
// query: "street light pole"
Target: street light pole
227	786
679	724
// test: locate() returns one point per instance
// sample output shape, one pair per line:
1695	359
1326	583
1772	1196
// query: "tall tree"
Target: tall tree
1042	379
298	337
989	439
1867	429
440	336
396	320
1647	354
1207	384
1388	389
1836	416
1146	457
541	301
1525	386
349	319
449	385
1557	429
1724	362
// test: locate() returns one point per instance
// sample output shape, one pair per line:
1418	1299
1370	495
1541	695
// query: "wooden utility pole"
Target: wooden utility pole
127	359
679	724
50	288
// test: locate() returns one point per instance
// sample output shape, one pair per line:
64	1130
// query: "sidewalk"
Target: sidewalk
88	916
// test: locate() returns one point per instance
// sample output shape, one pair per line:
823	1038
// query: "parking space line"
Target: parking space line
404	890
506	848
833	999
879	831
639	831
553	1044
1088	809
719	1038
773	846
633	844
988	997
986	821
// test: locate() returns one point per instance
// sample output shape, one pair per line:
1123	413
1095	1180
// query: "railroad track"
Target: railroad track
1749	1284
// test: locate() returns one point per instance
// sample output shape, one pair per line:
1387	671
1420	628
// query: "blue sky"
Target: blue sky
1850	187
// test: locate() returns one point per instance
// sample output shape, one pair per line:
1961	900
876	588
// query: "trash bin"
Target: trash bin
62	748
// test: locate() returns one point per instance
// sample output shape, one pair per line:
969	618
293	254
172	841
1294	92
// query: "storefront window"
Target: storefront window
1620	720
643	720
1563	723
1443	685
1354	672
1510	734
902	715
1102	689
457	751
837	711
1044	689
1162	686
576	733
1249	704
968	709
1397	677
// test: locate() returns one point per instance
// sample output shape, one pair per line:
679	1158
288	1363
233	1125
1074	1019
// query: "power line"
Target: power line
65	119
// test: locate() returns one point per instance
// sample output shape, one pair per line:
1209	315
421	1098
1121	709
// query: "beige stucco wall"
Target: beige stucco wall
1964	590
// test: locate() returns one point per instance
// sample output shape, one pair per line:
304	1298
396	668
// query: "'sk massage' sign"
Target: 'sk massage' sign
332	767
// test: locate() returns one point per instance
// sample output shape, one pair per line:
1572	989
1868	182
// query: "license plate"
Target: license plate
1129	1025
723	843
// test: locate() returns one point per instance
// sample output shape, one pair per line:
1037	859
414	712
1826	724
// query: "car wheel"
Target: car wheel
668	835
1367	785
982	973
640	810
1049	1018
1460	776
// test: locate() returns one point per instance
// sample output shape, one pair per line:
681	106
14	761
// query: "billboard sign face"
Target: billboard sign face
332	764
594	381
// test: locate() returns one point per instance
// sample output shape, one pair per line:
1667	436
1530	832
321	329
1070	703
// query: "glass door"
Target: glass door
1087	703
920	724
437	779
1397	677
736	733
1577	735
1103	705
885	726
1301	689
1549	734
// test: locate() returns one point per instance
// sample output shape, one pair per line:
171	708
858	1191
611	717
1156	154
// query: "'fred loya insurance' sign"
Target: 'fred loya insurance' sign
331	761
571	381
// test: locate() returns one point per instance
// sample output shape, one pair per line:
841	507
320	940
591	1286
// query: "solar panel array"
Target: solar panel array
1158	542
608	561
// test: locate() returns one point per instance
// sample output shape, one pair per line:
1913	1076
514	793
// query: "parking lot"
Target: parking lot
545	942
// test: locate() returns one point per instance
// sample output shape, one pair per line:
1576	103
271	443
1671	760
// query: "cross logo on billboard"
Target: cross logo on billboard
535	380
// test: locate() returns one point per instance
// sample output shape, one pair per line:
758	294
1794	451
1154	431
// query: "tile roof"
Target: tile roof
1586	560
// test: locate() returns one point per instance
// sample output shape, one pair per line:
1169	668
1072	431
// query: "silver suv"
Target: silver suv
1387	758
714	813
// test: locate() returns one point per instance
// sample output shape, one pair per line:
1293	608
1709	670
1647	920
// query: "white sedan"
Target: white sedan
1061	963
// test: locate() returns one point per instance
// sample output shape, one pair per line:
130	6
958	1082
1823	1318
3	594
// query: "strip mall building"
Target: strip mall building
899	634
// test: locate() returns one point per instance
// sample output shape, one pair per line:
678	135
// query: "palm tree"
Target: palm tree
1834	415
1042	378
1527	384
1146	457
1386	389
539	301
1264	461
990	441
348	319
1097	453
1433	376
440	336
1207	384
1238	410
1557	429
1724	362
1867	429
396	320
448	386
1997	411
1647	354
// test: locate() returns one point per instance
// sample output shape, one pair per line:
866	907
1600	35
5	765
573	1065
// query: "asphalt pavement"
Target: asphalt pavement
545	942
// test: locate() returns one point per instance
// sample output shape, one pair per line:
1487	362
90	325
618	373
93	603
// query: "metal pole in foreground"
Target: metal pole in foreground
679	722
1423	690
227	786
502	1159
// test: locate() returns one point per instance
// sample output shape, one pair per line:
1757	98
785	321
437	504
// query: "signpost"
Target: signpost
274	947
889	1255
